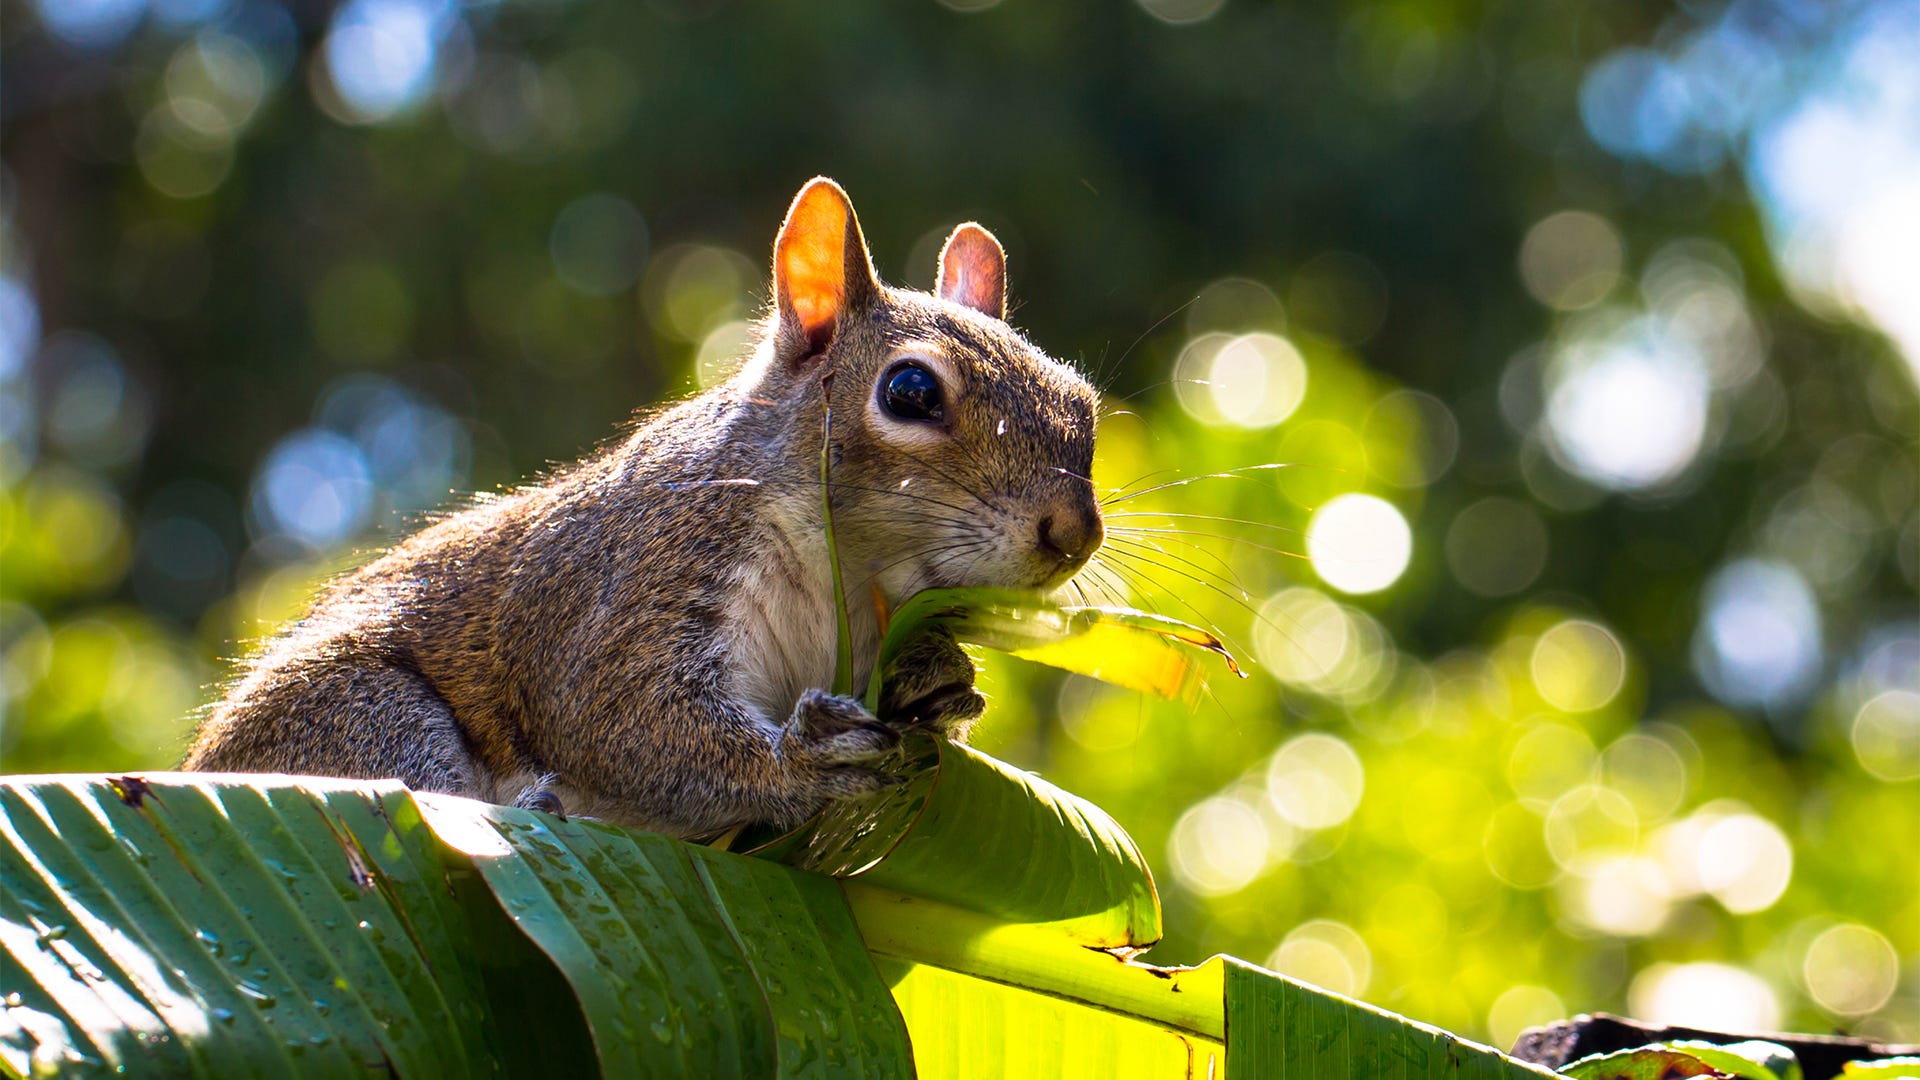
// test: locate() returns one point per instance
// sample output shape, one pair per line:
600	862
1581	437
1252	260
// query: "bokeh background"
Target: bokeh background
1582	620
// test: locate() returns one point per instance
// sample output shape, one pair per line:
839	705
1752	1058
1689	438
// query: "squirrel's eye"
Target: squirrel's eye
911	392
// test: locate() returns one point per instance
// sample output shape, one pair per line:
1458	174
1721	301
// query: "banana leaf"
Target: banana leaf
194	925
979	834
1134	649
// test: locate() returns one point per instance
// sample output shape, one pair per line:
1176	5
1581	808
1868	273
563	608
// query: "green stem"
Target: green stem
843	655
1041	957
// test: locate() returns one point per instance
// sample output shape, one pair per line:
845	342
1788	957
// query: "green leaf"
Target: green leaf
1657	1062
979	995
964	1026
216	927
1134	649
198	926
189	927
1282	1028
685	960
1750	1059
978	834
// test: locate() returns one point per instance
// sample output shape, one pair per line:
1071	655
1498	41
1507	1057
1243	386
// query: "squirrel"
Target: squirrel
644	636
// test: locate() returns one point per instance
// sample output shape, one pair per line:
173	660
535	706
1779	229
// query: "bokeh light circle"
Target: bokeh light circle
1886	735
380	56
1327	954
1183	12
1758	643
1519	1008
1719	997
1851	970
1571	259
1588	822
1359	543
1578	666
1497	546
1628	411
1745	861
1549	760
1315	781
598	244
1648	772
1618	895
1308	640
314	486
1257	380
1218	846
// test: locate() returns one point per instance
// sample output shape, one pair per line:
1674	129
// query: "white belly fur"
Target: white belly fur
781	616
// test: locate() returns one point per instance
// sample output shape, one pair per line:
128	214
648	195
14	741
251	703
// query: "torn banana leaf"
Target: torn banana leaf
1134	649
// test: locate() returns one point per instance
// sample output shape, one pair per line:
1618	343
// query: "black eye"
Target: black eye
911	392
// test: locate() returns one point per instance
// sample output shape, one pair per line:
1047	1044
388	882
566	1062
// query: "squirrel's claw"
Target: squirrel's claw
930	685
949	711
539	796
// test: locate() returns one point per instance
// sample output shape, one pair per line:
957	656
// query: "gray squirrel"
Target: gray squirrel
645	636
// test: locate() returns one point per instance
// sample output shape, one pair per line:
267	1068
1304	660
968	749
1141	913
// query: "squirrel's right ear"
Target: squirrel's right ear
973	271
821	270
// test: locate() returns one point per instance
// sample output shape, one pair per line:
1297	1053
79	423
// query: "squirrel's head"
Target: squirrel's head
962	454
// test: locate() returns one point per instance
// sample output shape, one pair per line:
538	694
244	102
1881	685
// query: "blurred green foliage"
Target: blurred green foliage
1631	724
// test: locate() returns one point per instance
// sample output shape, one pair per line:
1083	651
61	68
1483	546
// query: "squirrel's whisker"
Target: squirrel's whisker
1136	545
1204	517
1224	537
1242	602
1224	474
952	479
1145	585
1185	540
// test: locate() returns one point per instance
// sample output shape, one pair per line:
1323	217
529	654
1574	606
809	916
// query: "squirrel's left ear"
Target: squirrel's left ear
821	270
973	271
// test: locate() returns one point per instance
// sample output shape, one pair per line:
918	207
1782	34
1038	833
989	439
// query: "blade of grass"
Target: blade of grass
843	653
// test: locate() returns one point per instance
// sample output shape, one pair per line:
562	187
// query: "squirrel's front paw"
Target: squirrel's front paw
834	743
930	685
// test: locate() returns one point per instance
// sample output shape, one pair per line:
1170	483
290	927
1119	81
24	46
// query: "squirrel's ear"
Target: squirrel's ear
820	269
973	271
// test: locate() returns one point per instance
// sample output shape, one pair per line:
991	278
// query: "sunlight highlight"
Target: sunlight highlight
1359	543
1578	666
1719	997
1315	781
1251	381
381	54
1326	953
1627	410
1758	642
1218	846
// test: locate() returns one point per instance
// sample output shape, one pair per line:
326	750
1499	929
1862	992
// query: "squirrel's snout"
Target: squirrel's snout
1070	533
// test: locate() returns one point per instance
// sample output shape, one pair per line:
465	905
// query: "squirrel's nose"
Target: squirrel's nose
1071	533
